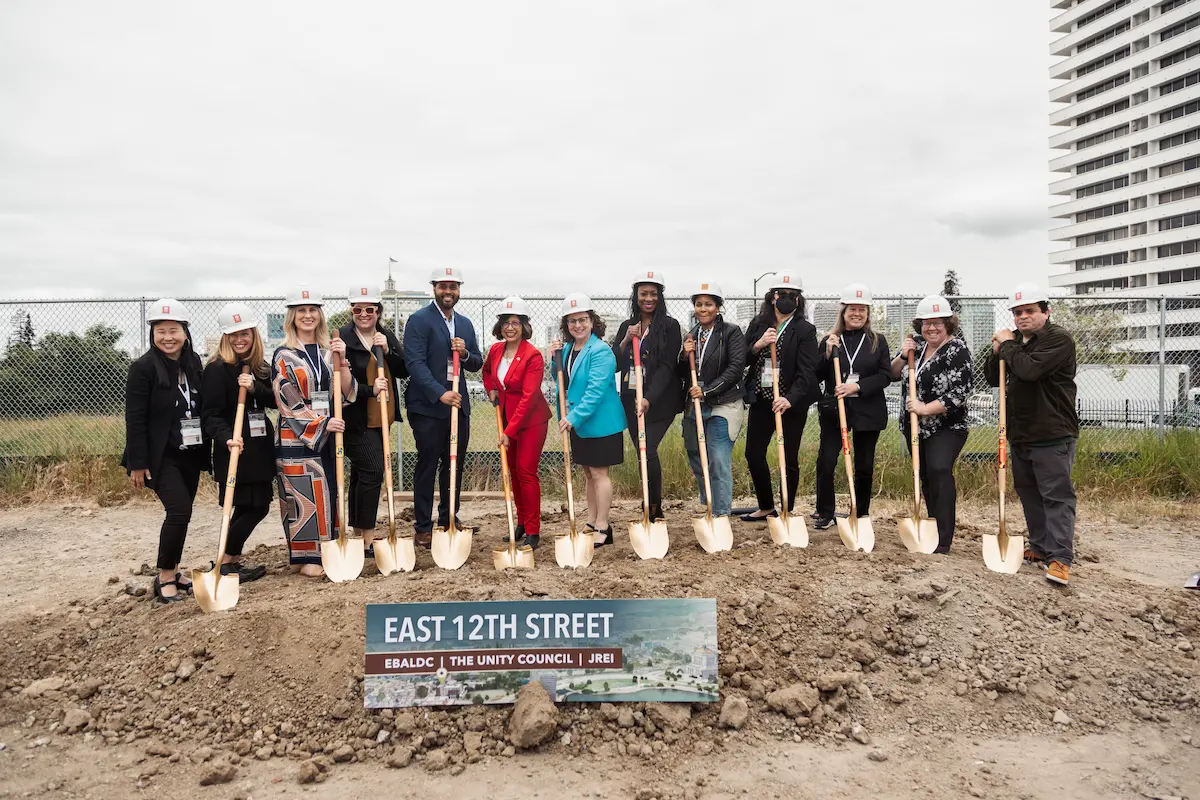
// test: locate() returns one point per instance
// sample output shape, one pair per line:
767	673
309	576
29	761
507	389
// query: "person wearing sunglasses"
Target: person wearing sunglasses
1043	426
780	322
365	339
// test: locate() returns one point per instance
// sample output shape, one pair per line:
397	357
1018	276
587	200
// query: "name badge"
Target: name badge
852	378
450	370
768	377
258	424
320	403
190	430
631	378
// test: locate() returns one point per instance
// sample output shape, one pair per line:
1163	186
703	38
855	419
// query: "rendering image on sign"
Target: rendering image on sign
590	651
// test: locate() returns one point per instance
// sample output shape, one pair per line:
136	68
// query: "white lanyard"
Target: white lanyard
850	358
921	362
318	367
186	391
780	329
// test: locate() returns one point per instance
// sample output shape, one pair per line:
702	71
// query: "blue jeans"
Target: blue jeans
720	459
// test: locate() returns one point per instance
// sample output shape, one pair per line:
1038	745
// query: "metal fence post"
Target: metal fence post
142	317
1162	368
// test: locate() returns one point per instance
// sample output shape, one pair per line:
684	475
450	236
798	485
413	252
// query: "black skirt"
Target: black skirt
605	451
254	493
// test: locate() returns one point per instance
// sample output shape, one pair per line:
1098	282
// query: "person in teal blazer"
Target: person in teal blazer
594	415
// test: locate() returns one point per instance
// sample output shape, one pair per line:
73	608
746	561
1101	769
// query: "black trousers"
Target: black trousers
863	443
175	484
760	427
939	453
655	431
432	436
241	525
365	448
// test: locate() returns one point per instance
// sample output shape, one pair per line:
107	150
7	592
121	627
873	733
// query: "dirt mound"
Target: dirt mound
818	645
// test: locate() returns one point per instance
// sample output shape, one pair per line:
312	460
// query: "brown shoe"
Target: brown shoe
1036	559
1058	572
423	540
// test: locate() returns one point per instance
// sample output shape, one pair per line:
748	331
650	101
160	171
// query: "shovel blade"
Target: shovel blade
213	595
649	541
791	532
343	559
574	551
1003	553
713	533
451	548
395	555
512	558
856	533
919	535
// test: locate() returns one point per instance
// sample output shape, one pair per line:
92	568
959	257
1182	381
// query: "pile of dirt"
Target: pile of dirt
818	645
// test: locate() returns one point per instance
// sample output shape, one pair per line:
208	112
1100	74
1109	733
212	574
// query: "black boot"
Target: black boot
532	540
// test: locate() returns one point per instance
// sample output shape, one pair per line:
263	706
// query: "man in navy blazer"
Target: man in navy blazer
431	335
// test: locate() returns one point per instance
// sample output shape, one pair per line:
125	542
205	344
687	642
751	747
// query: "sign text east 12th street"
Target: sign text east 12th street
490	627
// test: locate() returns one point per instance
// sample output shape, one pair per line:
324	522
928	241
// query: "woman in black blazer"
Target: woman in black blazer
364	423
865	362
660	340
241	345
780	321
165	448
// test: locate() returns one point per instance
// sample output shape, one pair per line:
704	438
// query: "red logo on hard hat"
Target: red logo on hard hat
787	278
237	317
166	310
649	274
362	292
304	293
449	270
508	304
936	307
704	286
858	292
1018	296
572	304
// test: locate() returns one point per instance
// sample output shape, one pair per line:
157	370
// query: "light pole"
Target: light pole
483	313
759	278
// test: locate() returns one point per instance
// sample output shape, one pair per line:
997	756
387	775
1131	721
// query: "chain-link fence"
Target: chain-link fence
63	370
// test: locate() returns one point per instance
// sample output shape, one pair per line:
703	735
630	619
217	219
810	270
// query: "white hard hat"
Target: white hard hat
302	296
513	305
1027	293
856	294
168	308
363	294
713	289
446	274
576	302
933	307
236	317
650	276
784	279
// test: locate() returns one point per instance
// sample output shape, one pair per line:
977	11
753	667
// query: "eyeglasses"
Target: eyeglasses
1025	312
579	323
932	323
363	312
511	324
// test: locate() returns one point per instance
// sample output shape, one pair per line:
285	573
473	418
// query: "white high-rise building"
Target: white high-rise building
1129	126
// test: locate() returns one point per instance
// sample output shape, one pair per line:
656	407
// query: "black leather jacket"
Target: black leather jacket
720	374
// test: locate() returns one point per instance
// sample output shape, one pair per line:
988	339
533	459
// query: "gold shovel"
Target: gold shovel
395	553
452	545
918	535
713	533
510	556
648	537
572	550
856	534
1001	552
342	560
212	593
784	529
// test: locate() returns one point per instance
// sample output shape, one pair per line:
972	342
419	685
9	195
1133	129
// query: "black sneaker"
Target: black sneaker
821	523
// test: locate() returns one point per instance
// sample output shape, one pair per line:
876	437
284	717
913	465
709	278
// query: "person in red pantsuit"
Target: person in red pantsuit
512	377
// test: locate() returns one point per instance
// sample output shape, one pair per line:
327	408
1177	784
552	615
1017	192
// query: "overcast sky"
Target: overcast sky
232	148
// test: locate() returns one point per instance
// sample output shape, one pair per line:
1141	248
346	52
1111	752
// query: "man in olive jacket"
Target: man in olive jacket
1043	426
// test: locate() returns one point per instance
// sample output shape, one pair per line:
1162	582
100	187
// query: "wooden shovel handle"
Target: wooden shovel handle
780	455
385	428
231	478
914	435
453	444
339	442
703	445
566	441
846	456
641	423
506	479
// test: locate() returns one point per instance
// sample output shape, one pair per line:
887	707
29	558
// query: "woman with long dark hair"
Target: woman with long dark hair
165	447
365	424
660	340
865	362
780	322
241	345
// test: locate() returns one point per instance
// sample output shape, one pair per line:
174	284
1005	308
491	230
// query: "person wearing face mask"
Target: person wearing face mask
363	336
241	345
302	378
720	352
1043	426
593	415
512	377
945	377
165	446
781	322
431	336
865	362
662	392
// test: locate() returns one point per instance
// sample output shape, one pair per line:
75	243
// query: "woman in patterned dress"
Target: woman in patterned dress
945	378
302	376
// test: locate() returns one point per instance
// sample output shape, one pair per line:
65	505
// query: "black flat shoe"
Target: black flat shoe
162	599
752	518
182	585
245	574
608	537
